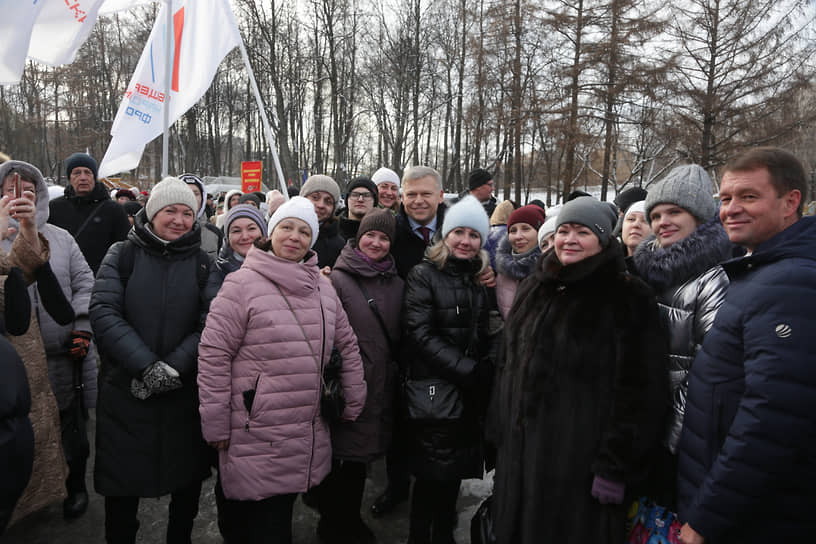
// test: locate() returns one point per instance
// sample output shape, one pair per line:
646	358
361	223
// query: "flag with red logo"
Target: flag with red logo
203	32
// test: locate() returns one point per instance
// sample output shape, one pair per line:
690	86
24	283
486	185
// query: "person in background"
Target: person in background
232	198
498	228
86	211
274	199
446	313
131	209
388	189
581	395
367	283
747	453
244	226
360	199
124	195
546	234
517	254
681	262
269	333
481	186
212	237
147	311
635	227
324	194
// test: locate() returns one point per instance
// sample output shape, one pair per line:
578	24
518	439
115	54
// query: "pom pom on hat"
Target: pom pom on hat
167	192
297	207
470	213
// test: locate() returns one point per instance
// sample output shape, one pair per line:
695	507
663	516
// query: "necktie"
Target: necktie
426	234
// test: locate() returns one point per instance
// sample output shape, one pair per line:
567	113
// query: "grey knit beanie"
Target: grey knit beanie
169	191
590	212
319	182
689	187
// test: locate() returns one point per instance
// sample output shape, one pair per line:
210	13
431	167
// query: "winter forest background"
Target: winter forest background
552	95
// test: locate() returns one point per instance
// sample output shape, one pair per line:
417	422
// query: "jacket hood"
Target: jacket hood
41	188
193	179
296	278
227	199
352	263
703	249
514	265
796	241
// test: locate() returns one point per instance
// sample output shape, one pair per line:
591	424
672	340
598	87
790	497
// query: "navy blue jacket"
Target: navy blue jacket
747	455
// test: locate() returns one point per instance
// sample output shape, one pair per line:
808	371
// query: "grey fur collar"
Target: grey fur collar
516	266
704	248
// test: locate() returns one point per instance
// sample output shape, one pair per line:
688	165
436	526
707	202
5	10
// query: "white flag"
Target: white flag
112	6
61	28
15	36
204	31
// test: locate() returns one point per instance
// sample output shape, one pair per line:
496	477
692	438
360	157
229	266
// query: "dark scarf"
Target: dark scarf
701	250
515	265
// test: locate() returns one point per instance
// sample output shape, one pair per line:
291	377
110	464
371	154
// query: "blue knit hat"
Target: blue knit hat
81	159
245	210
470	213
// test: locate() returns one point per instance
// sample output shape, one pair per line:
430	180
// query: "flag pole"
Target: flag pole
267	129
168	63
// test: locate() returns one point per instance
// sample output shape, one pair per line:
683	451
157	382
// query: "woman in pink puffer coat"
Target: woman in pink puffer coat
269	332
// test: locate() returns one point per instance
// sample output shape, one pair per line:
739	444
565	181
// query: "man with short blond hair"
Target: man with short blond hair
747	454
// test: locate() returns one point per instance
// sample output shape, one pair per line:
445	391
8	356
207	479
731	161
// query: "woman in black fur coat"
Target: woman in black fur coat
582	393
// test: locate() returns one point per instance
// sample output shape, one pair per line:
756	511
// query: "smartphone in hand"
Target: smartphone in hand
18	185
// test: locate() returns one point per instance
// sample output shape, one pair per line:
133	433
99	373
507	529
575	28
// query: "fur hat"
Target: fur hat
319	182
81	159
297	207
378	219
689	187
167	192
629	196
364	183
501	213
530	214
470	213
590	212
384	175
478	177
245	210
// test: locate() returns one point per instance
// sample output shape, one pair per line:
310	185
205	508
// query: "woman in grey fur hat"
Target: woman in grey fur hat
681	262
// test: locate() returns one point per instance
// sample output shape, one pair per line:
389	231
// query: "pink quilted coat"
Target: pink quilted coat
253	341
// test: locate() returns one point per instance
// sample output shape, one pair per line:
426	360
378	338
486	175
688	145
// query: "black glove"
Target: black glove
53	298
17	304
78	343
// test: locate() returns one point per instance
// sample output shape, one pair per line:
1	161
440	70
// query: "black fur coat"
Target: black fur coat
582	391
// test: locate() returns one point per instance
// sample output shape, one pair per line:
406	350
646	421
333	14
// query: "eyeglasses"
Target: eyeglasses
360	196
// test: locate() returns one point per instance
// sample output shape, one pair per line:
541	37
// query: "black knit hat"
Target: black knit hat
478	177
630	196
378	219
81	159
364	183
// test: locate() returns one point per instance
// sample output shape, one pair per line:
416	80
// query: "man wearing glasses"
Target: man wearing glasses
361	198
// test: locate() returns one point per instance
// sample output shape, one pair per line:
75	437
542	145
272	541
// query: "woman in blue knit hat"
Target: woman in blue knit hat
446	324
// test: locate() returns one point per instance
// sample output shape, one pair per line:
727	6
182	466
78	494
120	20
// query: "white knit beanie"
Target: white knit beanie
299	208
639	206
169	191
385	175
470	213
547	228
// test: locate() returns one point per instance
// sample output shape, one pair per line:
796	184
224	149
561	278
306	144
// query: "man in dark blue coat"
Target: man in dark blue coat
747	455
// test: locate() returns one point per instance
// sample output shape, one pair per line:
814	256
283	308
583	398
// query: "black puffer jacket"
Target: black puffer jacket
581	391
329	243
148	448
108	226
445	319
226	263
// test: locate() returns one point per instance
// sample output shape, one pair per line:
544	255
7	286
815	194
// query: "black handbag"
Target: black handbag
481	525
432	399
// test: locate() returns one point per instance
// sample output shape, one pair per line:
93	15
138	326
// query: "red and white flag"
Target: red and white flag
203	32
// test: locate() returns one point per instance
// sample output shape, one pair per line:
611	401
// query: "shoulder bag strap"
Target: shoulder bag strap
88	219
373	305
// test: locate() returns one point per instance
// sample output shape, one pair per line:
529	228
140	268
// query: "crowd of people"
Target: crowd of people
593	354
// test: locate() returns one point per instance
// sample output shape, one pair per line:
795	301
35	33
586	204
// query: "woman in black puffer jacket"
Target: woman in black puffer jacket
446	325
147	312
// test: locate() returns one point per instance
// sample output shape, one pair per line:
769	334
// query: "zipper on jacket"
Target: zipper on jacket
249	410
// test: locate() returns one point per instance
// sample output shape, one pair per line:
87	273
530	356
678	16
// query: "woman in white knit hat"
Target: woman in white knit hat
269	334
446	347
146	312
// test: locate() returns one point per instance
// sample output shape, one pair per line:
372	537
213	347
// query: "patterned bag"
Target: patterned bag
652	524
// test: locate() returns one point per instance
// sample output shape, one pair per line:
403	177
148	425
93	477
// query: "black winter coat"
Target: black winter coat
16	434
445	320
408	249
108	226
226	263
747	455
329	243
582	391
369	435
148	448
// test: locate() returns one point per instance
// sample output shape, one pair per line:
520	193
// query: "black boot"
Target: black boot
388	501
77	501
